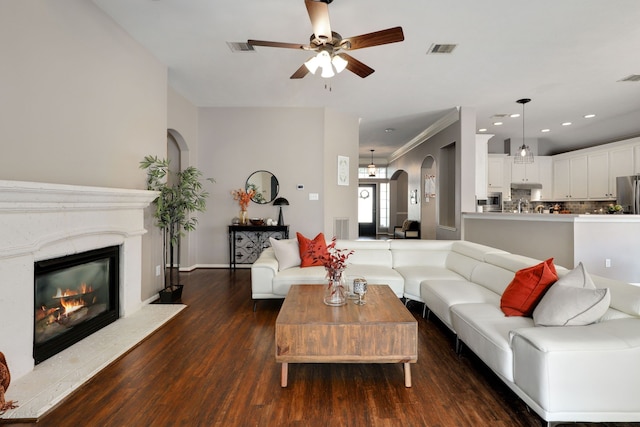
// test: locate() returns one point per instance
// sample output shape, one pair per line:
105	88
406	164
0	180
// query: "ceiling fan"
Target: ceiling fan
330	46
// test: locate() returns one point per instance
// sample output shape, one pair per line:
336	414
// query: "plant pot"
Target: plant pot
171	294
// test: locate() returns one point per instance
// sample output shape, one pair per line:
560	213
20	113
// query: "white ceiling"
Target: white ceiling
567	56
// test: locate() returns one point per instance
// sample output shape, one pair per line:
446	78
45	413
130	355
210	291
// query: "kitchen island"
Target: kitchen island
607	245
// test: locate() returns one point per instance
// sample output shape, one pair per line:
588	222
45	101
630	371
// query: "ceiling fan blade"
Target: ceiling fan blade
356	66
390	35
319	16
276	44
300	72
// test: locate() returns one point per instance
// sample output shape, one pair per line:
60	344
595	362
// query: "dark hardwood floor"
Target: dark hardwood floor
213	365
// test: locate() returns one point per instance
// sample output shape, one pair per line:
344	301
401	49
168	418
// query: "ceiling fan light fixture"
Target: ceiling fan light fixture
327	72
339	63
312	64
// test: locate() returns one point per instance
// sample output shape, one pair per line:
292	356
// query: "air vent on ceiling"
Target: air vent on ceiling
240	47
631	78
500	116
441	48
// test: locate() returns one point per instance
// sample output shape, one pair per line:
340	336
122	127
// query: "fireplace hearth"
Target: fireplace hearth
75	296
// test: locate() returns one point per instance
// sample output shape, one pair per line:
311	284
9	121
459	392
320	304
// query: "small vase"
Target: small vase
244	217
335	294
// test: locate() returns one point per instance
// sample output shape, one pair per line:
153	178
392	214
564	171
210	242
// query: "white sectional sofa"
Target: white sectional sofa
564	373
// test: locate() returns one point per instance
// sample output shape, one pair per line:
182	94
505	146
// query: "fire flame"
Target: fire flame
69	299
71	305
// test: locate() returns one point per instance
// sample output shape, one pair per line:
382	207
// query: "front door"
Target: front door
367	224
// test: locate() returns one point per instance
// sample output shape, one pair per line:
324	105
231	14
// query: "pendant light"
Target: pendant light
372	167
524	154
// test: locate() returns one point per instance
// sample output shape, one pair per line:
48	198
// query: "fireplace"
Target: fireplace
75	296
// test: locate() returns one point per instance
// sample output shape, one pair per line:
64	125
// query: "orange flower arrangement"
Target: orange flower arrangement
243	197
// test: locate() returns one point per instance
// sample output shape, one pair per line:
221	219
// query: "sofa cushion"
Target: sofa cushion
461	264
287	252
527	288
571	306
420	252
312	251
377	275
414	275
367	252
486	331
441	295
492	277
298	276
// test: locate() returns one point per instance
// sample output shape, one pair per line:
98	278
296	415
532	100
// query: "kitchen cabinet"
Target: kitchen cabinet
525	173
570	175
482	158
620	164
605	167
598	182
496	166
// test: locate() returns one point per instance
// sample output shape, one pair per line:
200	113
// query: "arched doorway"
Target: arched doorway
429	211
177	154
398	198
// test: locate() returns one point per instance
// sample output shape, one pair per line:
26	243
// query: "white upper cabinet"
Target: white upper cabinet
482	150
605	167
525	172
570	176
598	183
495	173
620	164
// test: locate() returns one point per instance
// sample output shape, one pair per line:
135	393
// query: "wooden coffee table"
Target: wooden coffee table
381	331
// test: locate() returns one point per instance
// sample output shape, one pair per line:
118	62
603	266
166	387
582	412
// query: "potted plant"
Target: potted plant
180	196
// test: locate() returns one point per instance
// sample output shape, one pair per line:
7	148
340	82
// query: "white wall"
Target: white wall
81	102
298	145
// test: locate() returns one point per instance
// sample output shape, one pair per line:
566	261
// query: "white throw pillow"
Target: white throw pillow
287	252
571	306
577	278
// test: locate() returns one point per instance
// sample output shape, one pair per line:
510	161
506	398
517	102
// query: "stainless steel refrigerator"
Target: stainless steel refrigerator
628	193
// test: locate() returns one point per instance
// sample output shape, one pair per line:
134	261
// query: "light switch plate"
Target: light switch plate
314	196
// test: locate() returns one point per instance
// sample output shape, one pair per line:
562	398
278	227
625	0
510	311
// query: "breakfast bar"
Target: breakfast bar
603	243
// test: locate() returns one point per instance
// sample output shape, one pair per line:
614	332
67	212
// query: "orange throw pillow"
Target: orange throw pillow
312	252
527	289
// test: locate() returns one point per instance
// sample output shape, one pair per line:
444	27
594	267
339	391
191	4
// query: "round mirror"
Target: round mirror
265	185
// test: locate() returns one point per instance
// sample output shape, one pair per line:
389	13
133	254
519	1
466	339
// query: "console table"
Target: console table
246	242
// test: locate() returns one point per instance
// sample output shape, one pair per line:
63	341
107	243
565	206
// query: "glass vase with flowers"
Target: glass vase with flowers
334	261
243	197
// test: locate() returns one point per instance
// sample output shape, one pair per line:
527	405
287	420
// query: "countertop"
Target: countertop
509	216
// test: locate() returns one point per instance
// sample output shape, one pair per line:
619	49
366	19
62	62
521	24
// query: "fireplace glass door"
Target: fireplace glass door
74	296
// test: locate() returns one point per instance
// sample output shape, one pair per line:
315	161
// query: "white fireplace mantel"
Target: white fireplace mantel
40	221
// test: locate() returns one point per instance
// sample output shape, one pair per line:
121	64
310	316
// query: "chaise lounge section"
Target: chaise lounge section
585	373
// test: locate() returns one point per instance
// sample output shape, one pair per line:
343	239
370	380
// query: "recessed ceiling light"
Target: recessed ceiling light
497	123
589	116
482	130
545	130
631	78
567	124
389	130
513	116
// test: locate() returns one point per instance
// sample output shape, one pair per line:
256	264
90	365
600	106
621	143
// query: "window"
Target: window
383	190
363	173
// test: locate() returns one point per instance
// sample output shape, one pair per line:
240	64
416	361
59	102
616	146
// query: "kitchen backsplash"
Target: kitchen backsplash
574	207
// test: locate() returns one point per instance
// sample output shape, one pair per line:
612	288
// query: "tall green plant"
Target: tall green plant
174	205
